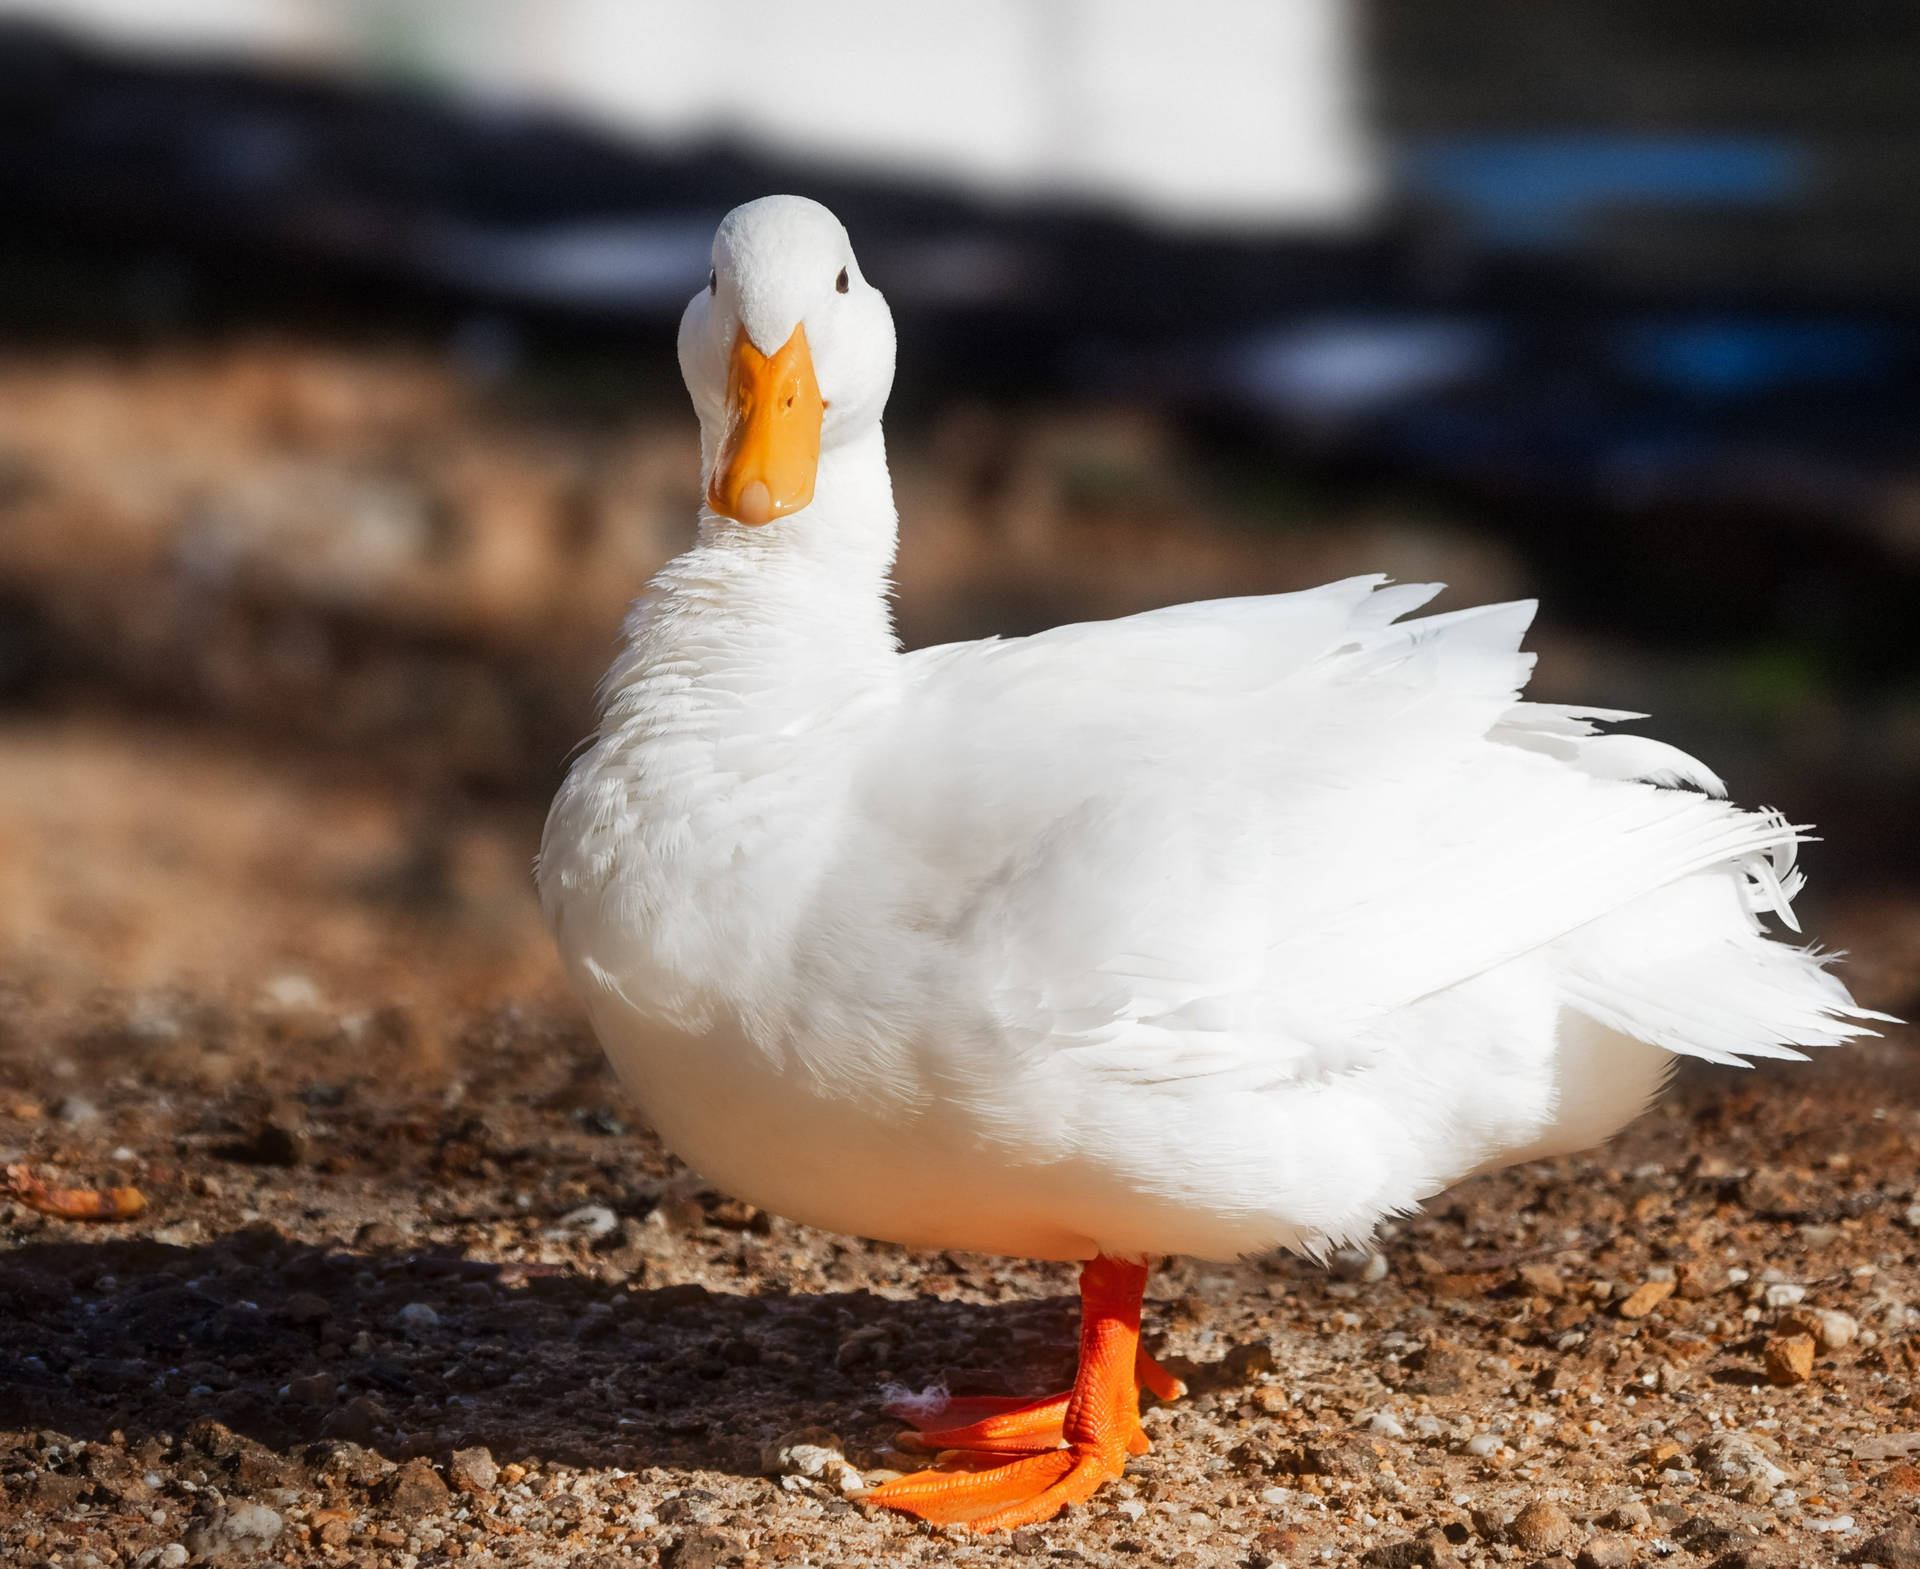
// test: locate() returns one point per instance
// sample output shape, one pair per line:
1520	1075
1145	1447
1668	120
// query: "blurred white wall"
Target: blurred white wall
1243	112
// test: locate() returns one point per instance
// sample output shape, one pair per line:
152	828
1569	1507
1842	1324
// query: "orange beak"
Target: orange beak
771	450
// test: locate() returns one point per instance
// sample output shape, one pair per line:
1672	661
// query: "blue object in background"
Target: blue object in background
1543	190
1721	356
1346	367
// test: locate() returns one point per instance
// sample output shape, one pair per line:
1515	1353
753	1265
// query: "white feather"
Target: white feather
1226	926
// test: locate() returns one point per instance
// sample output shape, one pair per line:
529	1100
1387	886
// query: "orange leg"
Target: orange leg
1069	1444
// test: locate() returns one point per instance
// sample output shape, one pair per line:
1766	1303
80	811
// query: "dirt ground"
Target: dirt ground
414	1287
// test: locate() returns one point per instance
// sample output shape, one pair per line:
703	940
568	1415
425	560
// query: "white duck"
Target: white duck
1222	928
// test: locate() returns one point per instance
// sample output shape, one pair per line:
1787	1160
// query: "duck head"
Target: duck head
788	353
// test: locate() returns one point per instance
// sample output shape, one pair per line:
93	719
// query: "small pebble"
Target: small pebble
414	1489
316	1389
1541	1527
1608	1552
813	1453
473	1470
304	1307
291	991
416	1318
589	1220
1831	1329
1542	1279
1630	1516
1483	1445
379	1236
253	1523
1366	1265
1788	1359
1736	1463
1645	1298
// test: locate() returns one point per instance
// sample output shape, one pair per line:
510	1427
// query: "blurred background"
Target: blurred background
339	418
339	423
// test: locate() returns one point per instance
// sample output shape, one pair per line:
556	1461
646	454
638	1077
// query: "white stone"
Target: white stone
416	1318
291	991
812	1453
254	1523
1365	1265
1832	1328
1736	1463
590	1220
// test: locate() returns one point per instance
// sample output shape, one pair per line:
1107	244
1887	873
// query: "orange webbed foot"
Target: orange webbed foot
1068	1445
1003	1497
991	1425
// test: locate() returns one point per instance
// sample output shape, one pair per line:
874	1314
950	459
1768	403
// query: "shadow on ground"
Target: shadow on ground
291	1346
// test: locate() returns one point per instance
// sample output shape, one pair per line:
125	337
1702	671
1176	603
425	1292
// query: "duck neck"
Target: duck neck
762	626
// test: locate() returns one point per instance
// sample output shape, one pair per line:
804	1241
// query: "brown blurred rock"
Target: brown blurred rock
1245	1363
473	1470
1348	1456
278	1138
415	1489
1541	1527
1630	1516
357	1421
1699	1279
1645	1297
1773	1194
1788	1359
1608	1552
1831	1330
53	1491
1895	1548
1429	1550
707	1548
332	1527
1440	1369
303	1307
316	1389
736	1215
1541	1279
379	1236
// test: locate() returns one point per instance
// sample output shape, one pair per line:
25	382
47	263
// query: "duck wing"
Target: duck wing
1232	837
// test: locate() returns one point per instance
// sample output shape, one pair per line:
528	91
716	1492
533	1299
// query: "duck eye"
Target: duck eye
840	283
713	281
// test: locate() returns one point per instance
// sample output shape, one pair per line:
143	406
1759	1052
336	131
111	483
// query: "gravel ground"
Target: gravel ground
413	1287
